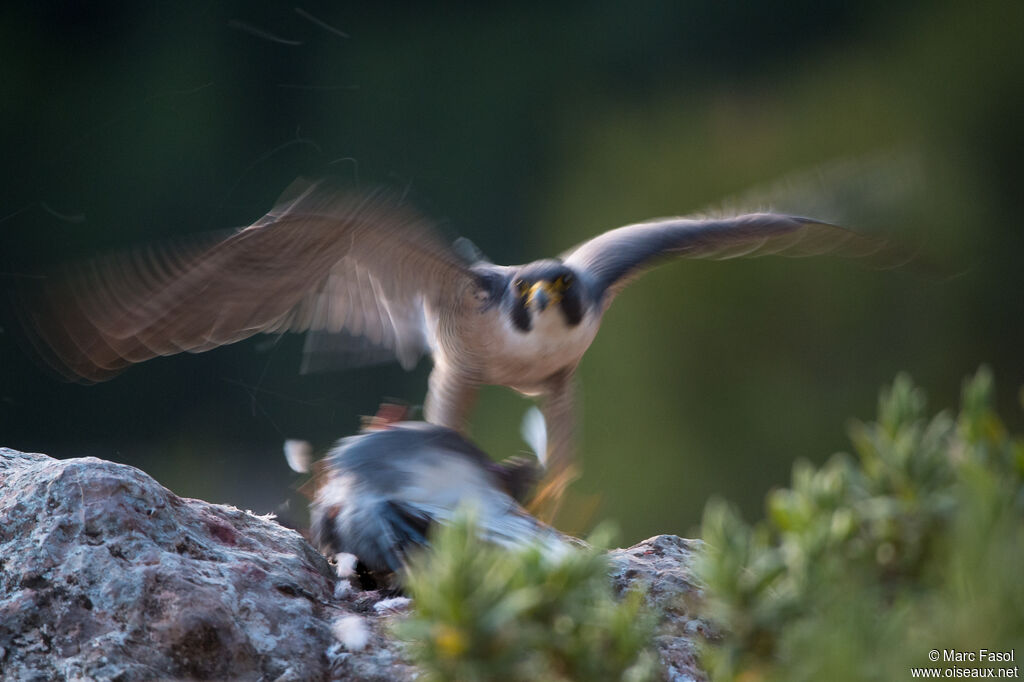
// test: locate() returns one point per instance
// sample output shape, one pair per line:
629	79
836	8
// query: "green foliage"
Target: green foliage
485	613
864	565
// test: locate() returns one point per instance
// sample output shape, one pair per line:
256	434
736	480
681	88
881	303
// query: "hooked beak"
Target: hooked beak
541	295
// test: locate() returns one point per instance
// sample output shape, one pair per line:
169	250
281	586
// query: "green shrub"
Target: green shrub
485	613
865	565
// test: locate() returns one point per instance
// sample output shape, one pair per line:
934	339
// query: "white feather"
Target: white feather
346	564
299	454
534	431
393	604
352	632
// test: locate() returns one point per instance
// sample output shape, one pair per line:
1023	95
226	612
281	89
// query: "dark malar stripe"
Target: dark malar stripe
521	316
572	307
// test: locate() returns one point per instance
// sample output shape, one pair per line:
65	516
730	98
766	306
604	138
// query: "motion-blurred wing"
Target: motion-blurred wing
613	259
321	260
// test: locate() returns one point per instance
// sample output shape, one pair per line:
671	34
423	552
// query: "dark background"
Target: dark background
527	128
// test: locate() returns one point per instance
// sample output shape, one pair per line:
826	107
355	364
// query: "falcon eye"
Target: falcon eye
521	286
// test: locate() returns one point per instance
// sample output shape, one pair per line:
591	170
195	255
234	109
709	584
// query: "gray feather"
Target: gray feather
384	489
611	260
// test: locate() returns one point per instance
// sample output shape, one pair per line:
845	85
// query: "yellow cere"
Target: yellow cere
553	290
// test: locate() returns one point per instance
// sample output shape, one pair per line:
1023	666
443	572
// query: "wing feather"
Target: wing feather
613	259
321	260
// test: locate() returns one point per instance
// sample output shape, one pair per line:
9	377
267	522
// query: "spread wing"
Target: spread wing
321	260
613	259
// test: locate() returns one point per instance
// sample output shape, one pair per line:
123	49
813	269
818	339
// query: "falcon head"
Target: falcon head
543	288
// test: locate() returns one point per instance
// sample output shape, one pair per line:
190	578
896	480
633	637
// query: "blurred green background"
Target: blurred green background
528	127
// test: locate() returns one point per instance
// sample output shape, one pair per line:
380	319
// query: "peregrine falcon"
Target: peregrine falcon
344	265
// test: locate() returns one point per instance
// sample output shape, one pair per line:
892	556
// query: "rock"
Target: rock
105	574
665	565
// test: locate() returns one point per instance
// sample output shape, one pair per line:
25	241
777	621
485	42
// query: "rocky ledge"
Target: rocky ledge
107	575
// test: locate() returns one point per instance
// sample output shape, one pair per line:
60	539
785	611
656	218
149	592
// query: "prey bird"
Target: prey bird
383	490
364	266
